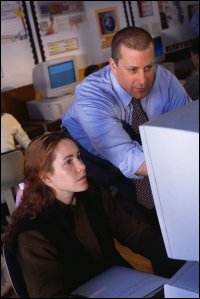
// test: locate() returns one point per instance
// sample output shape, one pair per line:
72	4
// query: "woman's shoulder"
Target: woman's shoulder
28	236
8	117
32	241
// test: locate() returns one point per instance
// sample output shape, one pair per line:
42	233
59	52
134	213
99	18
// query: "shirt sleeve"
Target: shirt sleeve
98	117
44	280
178	97
168	92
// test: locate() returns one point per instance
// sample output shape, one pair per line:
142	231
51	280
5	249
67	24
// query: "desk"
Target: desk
35	128
33	131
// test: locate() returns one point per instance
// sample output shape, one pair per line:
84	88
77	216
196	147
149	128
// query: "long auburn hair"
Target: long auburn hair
39	157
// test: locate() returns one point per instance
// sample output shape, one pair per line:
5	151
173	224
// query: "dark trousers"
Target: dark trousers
113	179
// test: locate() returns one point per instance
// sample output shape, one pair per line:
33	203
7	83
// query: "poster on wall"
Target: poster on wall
108	24
13	22
145	8
175	19
63	46
60	16
59	22
171	13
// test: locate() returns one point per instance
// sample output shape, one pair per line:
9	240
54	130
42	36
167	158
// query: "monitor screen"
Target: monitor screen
56	78
62	74
159	49
171	149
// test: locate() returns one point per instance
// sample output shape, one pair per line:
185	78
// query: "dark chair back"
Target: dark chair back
12	164
15	273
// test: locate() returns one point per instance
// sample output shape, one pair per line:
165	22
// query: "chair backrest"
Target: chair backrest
12	164
15	273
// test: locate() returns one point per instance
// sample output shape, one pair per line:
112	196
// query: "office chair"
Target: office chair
15	273
12	164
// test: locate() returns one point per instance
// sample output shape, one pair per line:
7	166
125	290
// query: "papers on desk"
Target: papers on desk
121	282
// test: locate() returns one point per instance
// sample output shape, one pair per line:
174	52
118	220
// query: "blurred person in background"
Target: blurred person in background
191	84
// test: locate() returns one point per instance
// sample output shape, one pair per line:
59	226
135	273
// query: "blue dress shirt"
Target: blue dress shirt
100	116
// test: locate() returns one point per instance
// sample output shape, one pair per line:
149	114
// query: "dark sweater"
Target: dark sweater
65	246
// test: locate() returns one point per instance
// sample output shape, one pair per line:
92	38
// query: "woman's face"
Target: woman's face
69	174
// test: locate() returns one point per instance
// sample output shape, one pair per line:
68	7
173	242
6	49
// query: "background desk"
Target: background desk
35	128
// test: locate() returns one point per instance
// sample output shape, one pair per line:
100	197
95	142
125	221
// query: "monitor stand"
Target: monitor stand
185	283
49	108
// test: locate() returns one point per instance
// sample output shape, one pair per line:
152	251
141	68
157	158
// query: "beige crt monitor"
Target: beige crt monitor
171	149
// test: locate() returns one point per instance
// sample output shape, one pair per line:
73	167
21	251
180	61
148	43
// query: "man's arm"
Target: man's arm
105	131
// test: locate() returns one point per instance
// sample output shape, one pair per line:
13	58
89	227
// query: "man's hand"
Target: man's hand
142	170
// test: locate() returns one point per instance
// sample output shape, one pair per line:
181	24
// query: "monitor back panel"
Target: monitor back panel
171	149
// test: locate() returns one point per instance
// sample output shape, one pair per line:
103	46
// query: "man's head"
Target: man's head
132	60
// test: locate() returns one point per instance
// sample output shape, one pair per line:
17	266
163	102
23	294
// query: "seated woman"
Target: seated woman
11	132
62	231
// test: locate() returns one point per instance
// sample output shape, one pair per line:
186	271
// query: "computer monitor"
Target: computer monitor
171	149
55	78
159	48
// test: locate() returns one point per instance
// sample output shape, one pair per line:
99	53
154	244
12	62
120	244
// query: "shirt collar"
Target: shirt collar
124	96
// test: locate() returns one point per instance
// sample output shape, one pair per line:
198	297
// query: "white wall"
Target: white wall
89	51
17	64
17	57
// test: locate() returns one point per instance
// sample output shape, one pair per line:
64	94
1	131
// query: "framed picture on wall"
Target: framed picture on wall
145	8
108	21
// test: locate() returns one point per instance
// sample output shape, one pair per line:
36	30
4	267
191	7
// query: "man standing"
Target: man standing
101	116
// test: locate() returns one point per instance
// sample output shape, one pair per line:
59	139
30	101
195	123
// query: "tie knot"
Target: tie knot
135	102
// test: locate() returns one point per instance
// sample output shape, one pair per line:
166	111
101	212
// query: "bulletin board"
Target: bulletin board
75	28
16	54
175	17
61	23
171	18
65	28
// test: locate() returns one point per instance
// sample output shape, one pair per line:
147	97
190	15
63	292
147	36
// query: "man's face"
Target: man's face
135	70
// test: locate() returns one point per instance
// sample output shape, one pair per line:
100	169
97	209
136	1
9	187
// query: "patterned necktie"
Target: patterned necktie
143	189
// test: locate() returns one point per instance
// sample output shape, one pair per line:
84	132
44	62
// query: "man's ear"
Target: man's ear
112	64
